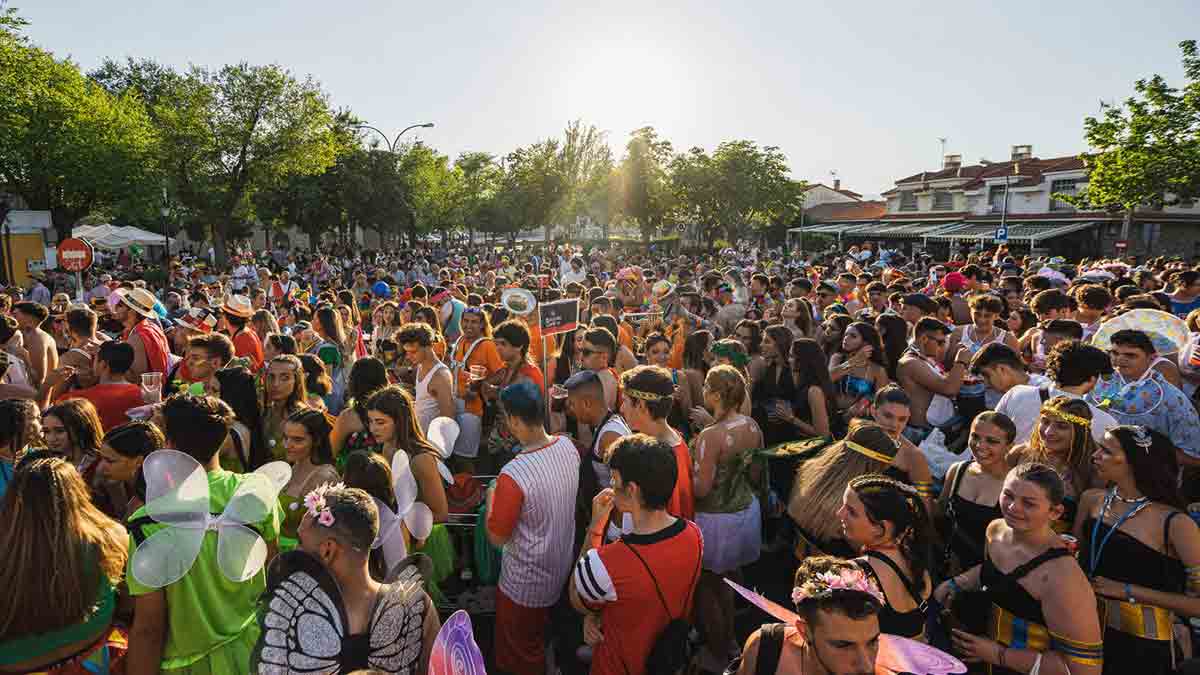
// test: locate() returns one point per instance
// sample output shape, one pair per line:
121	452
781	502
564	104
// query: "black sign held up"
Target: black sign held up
559	316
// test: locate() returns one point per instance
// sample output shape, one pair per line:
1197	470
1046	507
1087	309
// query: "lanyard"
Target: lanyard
1094	549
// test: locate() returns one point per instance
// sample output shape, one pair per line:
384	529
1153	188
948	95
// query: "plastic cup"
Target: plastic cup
1071	542
558	398
152	387
478	373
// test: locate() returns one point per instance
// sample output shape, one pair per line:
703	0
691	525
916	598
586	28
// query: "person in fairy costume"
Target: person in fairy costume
203	622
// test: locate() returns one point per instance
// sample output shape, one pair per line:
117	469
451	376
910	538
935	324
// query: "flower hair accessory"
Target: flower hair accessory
317	508
1066	416
825	584
1141	436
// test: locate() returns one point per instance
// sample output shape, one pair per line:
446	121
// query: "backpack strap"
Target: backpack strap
657	588
770	648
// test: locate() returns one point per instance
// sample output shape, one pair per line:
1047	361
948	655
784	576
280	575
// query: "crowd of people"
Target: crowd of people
293	464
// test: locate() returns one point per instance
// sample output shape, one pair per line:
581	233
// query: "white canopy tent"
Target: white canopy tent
114	238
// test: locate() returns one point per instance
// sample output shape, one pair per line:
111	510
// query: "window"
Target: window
943	200
1065	186
908	201
996	196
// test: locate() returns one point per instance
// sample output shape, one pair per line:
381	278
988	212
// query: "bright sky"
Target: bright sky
865	88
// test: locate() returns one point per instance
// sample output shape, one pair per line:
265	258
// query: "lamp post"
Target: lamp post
1007	176
166	225
395	142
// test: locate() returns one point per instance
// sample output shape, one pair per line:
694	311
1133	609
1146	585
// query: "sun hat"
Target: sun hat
239	306
139	300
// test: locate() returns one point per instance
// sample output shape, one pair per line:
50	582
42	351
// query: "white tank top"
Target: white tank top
427	406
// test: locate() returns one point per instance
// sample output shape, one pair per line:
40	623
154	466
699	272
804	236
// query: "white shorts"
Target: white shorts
470	431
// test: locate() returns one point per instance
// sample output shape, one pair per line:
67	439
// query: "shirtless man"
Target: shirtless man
150	350
84	343
43	355
922	377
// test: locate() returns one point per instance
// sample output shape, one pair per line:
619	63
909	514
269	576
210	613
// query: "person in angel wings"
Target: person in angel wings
190	617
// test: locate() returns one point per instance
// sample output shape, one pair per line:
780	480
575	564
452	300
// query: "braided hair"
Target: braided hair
887	499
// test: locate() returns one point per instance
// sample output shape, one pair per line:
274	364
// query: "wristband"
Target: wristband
954	585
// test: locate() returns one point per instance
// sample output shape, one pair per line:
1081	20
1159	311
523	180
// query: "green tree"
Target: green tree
584	163
739	186
431	185
227	134
481	177
68	146
645	186
1147	152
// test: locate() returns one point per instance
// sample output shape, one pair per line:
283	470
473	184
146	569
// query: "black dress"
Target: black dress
768	389
1016	619
965	533
1137	638
910	624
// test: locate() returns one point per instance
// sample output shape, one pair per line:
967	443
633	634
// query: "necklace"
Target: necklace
1097	544
1127	500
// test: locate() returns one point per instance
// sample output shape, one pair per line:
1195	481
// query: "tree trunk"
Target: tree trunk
220	250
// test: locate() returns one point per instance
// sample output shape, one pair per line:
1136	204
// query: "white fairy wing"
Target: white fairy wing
404	484
397	627
302	617
278	472
443	433
165	556
176	488
176	496
241	552
445	472
391	537
419	521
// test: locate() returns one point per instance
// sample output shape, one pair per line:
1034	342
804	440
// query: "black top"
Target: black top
1004	591
910	624
896	473
968	523
768	389
1127	560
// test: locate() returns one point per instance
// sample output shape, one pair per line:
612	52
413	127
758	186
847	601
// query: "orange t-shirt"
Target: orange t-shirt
247	344
626	335
683	499
485	355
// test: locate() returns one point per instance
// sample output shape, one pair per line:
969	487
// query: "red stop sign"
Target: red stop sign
75	255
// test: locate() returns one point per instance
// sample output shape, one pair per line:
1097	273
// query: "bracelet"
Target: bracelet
1129	595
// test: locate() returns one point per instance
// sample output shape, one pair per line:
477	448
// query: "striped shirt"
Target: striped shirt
534	505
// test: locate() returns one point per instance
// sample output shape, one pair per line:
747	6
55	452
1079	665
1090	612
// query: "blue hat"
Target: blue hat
381	289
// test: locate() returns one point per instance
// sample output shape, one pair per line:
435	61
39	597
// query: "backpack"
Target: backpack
673	648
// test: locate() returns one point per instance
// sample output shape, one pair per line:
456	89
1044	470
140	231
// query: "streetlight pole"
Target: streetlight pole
1007	177
394	143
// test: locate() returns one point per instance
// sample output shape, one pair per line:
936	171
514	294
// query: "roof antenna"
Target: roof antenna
942	157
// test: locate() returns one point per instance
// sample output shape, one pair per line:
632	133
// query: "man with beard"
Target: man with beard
135	310
474	348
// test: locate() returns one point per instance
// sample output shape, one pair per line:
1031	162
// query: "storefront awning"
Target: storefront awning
1023	232
904	230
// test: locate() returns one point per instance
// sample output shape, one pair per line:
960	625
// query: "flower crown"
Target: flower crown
1066	416
315	503
824	585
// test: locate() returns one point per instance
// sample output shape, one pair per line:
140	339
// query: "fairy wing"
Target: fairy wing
397	624
302	617
896	654
901	655
278	472
176	496
404	484
241	552
390	538
454	650
443	433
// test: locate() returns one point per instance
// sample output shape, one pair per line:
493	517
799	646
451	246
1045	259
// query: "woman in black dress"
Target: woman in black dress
1140	549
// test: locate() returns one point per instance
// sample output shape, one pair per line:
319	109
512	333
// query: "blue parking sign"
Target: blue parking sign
1001	235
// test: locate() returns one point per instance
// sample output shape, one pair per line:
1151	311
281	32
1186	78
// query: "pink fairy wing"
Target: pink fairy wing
454	651
901	655
778	611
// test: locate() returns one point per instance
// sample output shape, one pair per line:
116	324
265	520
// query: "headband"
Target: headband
867	452
1066	416
645	395
825	584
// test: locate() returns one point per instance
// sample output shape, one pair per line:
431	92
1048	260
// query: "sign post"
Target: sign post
76	255
560	316
1002	235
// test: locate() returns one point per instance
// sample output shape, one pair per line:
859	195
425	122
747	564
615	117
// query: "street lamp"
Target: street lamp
166	213
394	143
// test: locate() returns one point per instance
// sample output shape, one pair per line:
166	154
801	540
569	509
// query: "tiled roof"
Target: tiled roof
843	211
1030	170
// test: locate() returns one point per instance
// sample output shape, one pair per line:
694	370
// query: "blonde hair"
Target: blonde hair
56	545
728	384
1077	463
821	481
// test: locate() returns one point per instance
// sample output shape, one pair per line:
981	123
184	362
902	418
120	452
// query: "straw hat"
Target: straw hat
139	300
239	306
